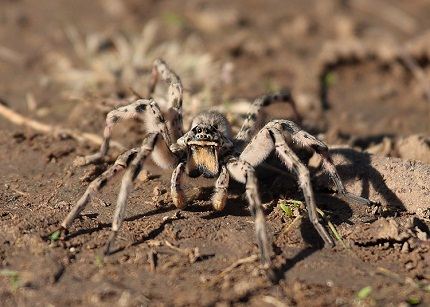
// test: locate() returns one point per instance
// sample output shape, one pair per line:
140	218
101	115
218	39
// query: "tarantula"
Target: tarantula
208	149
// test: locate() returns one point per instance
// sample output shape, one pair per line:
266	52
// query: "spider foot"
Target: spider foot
271	274
219	200
64	232
108	247
358	200
329	244
179	200
328	240
267	269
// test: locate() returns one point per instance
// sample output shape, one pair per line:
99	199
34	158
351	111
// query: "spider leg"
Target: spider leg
175	96
271	138
290	159
330	168
130	175
176	191
120	164
243	172
219	198
307	140
146	109
249	125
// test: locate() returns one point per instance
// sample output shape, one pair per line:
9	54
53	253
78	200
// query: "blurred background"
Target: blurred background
358	68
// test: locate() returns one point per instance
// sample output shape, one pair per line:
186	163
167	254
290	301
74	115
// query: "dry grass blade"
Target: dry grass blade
289	206
332	228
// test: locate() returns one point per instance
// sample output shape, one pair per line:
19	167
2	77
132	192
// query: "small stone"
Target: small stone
61	204
104	203
143	176
409	266
421	235
79	161
157	191
405	248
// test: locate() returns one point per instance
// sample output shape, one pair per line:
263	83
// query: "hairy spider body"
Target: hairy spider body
208	149
206	142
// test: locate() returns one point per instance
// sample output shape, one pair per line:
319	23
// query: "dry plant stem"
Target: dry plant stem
19	192
231	267
332	228
418	73
152	259
192	253
82	137
293	223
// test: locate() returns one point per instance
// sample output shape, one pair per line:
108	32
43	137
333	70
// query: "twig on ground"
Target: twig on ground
152	259
81	137
192	253
293	223
20	192
231	267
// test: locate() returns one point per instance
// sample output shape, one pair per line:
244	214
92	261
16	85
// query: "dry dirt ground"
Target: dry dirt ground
66	63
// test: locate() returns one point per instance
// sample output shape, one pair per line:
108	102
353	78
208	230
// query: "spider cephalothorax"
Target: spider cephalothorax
209	149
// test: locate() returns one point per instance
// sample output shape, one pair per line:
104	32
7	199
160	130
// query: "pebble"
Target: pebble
405	248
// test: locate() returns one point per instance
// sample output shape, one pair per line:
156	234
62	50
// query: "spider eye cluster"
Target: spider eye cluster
205	132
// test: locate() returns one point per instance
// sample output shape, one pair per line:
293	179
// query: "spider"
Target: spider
208	149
